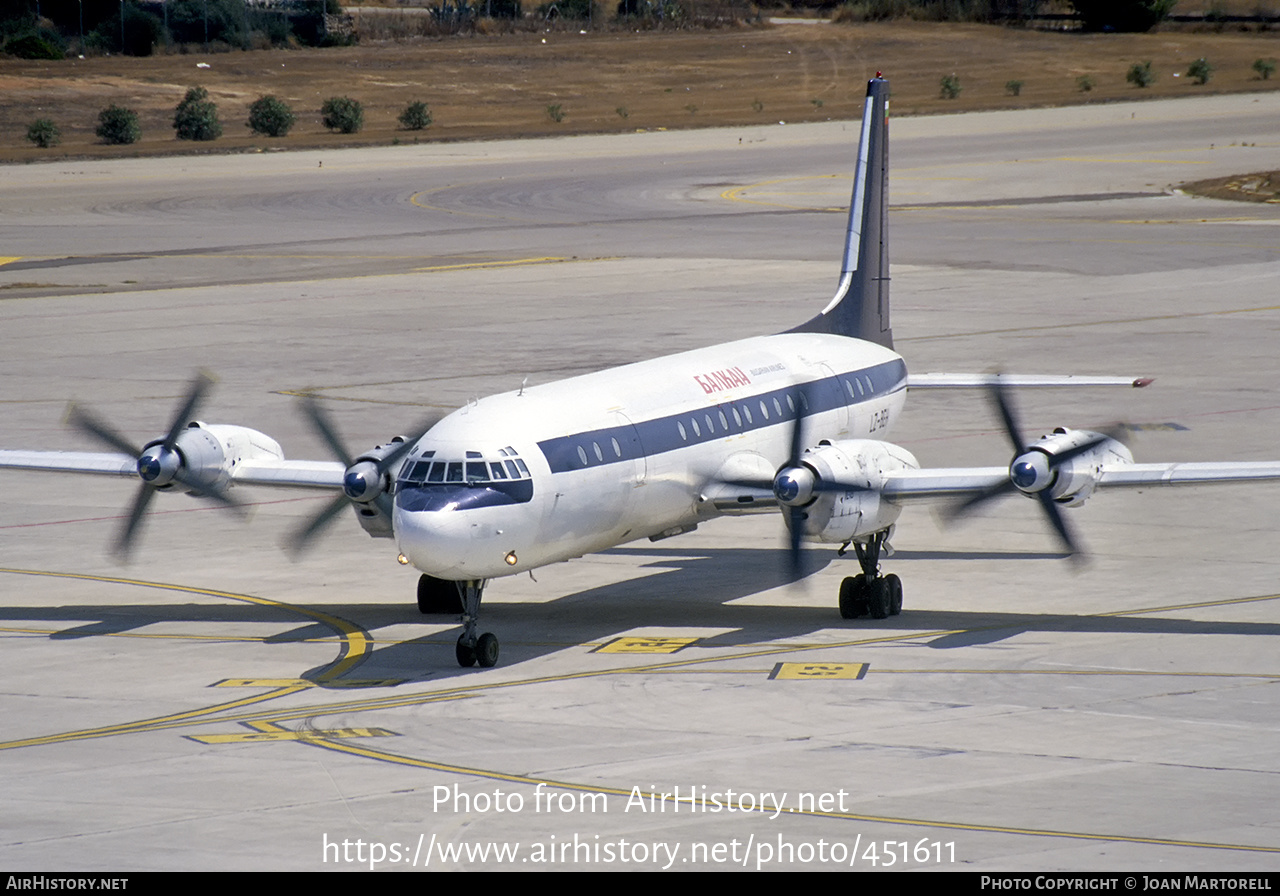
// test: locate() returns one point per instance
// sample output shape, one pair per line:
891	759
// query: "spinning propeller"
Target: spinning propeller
795	485
159	463
1032	472
367	480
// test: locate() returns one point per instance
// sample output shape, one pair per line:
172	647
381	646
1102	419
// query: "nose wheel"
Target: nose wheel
474	649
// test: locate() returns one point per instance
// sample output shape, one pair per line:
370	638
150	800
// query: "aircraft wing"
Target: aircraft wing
957	484
1021	381
70	462
316	474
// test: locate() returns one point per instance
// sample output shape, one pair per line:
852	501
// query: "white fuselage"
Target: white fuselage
588	463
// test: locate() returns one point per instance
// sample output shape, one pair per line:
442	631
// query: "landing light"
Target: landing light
511	558
402	560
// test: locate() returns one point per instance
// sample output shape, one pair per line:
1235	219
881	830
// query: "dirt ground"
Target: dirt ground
488	86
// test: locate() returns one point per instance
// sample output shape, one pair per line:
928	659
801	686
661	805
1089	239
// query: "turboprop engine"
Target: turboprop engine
843	480
1066	464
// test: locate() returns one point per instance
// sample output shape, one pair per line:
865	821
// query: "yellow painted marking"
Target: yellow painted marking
6	259
645	645
285	735
481	265
354	646
734	194
383	756
304	683
810	671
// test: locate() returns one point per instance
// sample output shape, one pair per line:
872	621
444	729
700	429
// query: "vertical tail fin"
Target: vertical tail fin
860	308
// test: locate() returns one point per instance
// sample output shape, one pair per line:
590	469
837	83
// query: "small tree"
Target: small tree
1265	68
1200	71
1140	74
342	114
950	85
1084	83
44	133
196	117
415	117
1013	88
555	112
270	116
118	125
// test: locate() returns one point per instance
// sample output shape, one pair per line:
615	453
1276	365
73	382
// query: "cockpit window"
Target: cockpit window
472	468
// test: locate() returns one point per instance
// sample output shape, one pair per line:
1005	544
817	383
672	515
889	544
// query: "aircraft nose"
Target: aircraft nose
436	541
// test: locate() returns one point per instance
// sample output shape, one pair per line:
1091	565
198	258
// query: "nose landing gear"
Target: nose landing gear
474	649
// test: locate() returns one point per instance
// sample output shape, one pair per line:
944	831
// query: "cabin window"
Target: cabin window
791	405
711	427
777	407
582	454
697	431
683	435
764	411
724	421
599	454
617	449
737	418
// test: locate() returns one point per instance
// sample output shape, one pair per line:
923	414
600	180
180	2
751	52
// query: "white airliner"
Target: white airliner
792	422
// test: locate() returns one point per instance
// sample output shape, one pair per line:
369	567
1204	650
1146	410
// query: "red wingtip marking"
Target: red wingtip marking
1143	381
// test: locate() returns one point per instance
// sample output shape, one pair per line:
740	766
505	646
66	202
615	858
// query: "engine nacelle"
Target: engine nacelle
1071	481
207	453
841	516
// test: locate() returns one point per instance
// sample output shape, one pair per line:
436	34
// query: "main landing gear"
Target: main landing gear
871	594
441	596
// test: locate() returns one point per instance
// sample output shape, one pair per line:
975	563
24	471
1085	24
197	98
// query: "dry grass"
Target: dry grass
500	85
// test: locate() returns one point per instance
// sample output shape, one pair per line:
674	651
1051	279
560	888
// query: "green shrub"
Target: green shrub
555	112
1200	71
1084	83
950	87
1140	74
415	117
196	117
342	114
757	106
1013	88
270	116
118	125
622	112
33	46
44	133
1265	68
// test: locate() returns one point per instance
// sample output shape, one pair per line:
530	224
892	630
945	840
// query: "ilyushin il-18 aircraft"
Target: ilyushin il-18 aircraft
794	422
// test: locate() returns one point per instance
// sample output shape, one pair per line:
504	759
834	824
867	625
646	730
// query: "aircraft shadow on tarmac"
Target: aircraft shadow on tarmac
695	589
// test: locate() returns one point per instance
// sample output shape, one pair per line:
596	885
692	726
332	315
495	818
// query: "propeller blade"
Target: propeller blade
964	508
90	425
328	433
795	535
195	394
1059	523
324	427
1004	408
301	539
128	534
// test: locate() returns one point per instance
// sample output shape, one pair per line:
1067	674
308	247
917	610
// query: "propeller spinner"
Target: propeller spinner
367	480
159	463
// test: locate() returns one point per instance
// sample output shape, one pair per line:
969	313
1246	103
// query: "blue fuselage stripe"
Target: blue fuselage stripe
618	444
